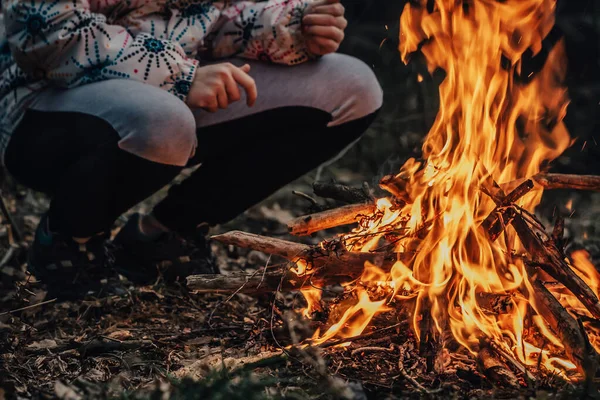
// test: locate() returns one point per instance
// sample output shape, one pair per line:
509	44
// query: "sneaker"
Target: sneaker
143	260
68	269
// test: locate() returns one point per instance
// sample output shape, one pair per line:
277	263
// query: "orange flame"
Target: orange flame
497	122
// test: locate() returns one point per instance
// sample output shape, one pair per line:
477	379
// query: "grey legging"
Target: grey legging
101	148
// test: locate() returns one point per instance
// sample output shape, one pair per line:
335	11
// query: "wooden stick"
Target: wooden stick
396	186
350	214
565	181
561	181
495	303
495	370
550	259
268	245
317	256
566	327
256	284
325	267
503	214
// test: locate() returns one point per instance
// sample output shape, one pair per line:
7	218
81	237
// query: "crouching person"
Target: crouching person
104	102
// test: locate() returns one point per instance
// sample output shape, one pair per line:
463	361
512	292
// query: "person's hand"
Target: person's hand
323	25
217	86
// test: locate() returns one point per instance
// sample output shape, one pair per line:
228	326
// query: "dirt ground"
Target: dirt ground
165	342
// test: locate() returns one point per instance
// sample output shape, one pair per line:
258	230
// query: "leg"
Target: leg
67	146
314	110
98	152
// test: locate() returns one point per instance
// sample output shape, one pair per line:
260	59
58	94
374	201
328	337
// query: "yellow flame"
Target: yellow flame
313	299
497	122
354	320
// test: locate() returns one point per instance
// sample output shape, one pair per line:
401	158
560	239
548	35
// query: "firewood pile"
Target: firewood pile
331	263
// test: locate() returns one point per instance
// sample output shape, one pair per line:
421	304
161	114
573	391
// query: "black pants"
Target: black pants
75	158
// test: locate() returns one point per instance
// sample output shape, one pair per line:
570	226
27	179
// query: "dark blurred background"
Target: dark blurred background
411	106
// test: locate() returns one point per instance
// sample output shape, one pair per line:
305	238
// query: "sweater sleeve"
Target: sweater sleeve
64	42
265	30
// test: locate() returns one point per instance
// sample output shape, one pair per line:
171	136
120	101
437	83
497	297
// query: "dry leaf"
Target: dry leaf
43	344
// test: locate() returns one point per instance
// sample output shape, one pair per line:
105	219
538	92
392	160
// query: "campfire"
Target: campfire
456	244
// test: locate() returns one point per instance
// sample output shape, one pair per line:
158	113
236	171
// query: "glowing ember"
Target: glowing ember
498	122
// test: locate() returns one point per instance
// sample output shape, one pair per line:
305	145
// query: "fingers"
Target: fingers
321	3
322	46
222	98
233	91
325	20
218	86
210	104
325	32
335	9
245	81
245	68
324	26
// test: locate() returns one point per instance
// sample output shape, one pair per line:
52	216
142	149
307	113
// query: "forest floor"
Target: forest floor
165	342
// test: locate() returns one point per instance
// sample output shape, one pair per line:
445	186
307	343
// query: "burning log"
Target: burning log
346	215
566	327
503	214
495	303
395	185
495	369
316	256
552	261
324	267
430	343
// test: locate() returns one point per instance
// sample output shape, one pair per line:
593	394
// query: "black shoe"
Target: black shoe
68	269
143	260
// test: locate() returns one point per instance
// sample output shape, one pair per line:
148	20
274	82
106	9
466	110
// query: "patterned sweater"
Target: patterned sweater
68	43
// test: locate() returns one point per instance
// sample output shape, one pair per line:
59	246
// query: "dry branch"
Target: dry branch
552	261
495	370
257	283
565	326
325	267
277	247
561	181
564	181
395	185
503	214
350	214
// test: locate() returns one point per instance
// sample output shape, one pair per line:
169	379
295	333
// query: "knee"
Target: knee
164	130
359	92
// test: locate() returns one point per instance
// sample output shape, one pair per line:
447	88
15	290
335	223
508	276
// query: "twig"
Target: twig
262	279
305	196
410	379
370	349
28	307
345	215
512	360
